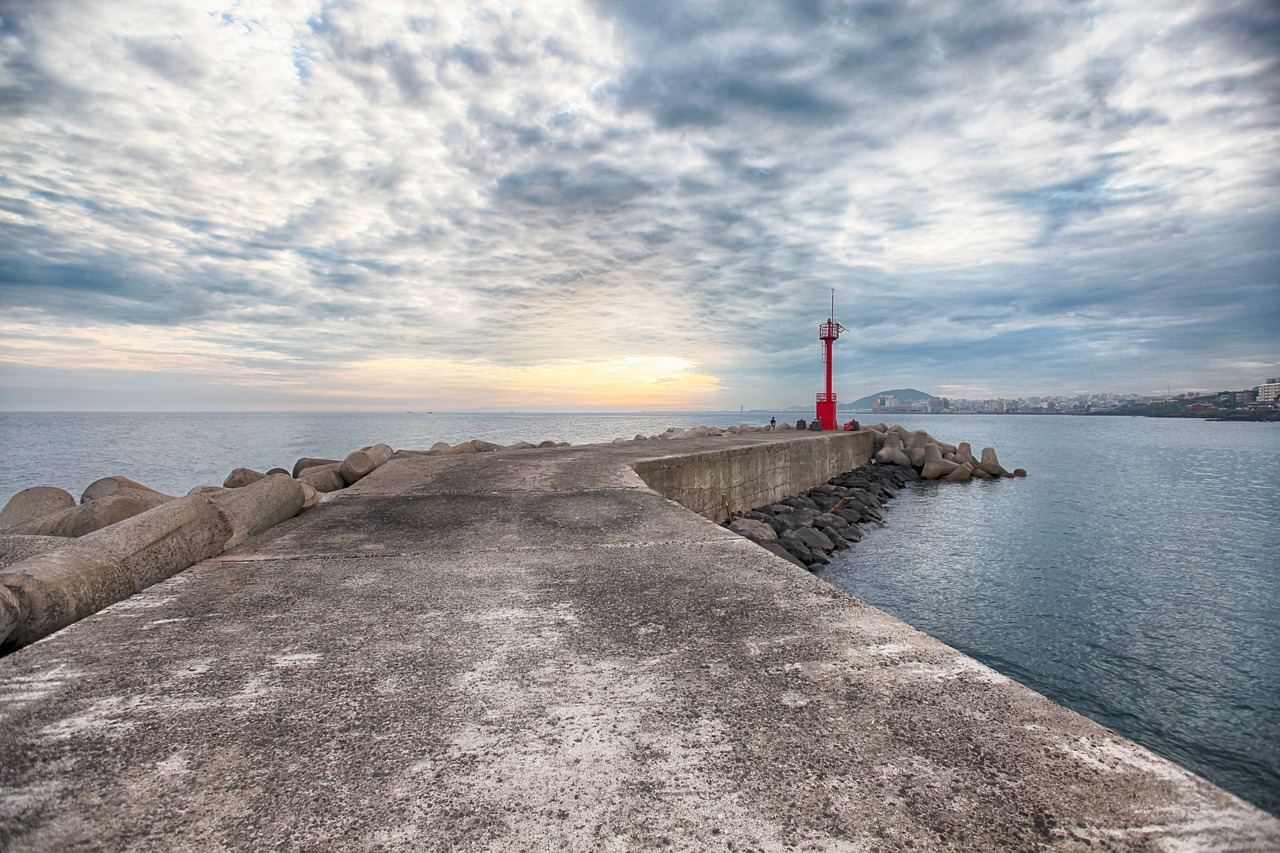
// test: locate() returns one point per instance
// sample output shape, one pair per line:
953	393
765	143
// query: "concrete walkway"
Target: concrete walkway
534	651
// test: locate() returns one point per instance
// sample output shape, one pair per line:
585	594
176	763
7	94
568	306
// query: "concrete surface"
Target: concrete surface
735	479
535	651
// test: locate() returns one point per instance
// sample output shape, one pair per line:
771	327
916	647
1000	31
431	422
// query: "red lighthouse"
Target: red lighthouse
827	333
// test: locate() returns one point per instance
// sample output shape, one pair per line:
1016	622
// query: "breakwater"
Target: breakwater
537	650
61	561
129	536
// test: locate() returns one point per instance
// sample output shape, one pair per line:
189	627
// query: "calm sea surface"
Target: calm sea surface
1133	576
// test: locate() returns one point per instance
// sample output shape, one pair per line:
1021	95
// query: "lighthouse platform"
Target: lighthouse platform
549	650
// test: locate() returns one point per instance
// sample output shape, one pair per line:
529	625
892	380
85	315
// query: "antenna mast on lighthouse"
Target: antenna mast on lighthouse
828	332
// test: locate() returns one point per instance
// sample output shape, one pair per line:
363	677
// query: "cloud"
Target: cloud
316	186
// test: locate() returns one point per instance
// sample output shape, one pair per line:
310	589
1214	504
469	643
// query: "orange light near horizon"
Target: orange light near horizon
636	381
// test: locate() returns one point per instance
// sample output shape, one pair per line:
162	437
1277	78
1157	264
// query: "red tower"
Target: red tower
828	332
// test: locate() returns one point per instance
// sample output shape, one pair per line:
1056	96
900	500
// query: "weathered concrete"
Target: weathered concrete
361	463
101	512
99	489
53	589
536	651
31	505
734	479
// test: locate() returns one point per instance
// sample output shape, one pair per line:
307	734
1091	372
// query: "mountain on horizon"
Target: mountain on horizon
905	396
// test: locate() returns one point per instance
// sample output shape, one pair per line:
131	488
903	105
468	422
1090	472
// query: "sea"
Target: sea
1133	576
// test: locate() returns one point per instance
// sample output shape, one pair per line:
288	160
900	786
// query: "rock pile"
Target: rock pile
808	528
934	459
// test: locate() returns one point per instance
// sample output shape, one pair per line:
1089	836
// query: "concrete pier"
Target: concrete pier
536	650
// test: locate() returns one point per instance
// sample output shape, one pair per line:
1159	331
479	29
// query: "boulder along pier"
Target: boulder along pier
555	649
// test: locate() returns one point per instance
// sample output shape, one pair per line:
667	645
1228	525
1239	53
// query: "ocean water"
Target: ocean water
175	451
1134	576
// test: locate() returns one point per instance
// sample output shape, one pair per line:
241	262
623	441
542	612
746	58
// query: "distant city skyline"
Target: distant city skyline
601	205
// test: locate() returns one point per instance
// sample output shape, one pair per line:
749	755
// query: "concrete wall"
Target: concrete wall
747	477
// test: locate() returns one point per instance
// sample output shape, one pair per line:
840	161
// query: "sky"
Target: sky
632	204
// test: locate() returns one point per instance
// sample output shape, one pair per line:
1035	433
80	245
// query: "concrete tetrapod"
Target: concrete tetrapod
991	464
241	477
99	489
94	515
310	462
259	506
33	504
361	463
50	591
323	478
934	465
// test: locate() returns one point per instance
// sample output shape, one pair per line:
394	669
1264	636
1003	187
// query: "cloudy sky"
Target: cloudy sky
596	204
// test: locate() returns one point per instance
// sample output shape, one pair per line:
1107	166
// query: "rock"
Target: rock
815	539
932	453
961	474
1019	472
110	485
484	446
205	490
241	477
33	504
756	531
828	520
309	494
802	502
619	441
781	551
836	539
980	474
273	471
308	462
794	544
636	437
784	425
543	445
361	463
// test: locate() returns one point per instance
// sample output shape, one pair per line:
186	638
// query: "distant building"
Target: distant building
1268	392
